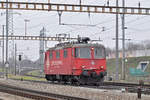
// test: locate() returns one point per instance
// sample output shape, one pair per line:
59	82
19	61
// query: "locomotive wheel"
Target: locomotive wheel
102	80
97	84
72	83
77	83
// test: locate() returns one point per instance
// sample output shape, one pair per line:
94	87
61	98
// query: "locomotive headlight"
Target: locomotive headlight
101	67
83	66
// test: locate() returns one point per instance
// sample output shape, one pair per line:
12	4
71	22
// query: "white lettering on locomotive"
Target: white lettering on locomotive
56	63
92	62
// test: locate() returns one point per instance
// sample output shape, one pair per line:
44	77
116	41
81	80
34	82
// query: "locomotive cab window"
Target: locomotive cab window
99	52
76	52
83	52
57	54
50	55
65	53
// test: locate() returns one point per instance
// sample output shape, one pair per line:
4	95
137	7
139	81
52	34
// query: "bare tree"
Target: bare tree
134	46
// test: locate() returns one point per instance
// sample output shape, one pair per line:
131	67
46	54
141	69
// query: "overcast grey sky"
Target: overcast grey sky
138	26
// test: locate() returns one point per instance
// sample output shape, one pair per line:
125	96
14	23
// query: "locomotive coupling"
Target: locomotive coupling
85	73
93	74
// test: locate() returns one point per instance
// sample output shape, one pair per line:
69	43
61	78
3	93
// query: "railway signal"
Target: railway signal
20	57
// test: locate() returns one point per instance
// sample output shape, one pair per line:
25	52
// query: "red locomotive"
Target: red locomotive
76	62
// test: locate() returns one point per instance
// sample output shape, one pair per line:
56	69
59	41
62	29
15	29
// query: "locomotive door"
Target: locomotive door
72	62
46	62
66	60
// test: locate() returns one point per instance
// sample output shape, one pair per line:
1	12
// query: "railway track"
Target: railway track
130	87
106	83
37	95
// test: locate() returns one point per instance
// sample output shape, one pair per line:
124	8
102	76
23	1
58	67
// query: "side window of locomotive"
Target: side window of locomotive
76	52
51	55
57	54
99	53
65	53
72	51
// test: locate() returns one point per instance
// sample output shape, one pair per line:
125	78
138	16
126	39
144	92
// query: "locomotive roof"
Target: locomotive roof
70	45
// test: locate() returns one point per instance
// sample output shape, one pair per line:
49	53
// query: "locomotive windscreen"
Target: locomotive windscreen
82	52
99	53
85	52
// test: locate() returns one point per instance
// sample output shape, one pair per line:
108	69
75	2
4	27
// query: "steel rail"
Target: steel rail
102	84
107	83
75	8
38	95
131	87
24	94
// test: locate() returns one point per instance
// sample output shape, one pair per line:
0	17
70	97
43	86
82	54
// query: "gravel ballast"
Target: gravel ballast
91	94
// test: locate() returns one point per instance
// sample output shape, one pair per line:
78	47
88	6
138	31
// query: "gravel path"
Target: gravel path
91	94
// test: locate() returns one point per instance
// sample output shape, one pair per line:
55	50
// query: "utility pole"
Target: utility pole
80	2
15	57
11	33
7	63
26	20
117	55
3	48
41	52
123	42
20	58
11	43
59	14
48	1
